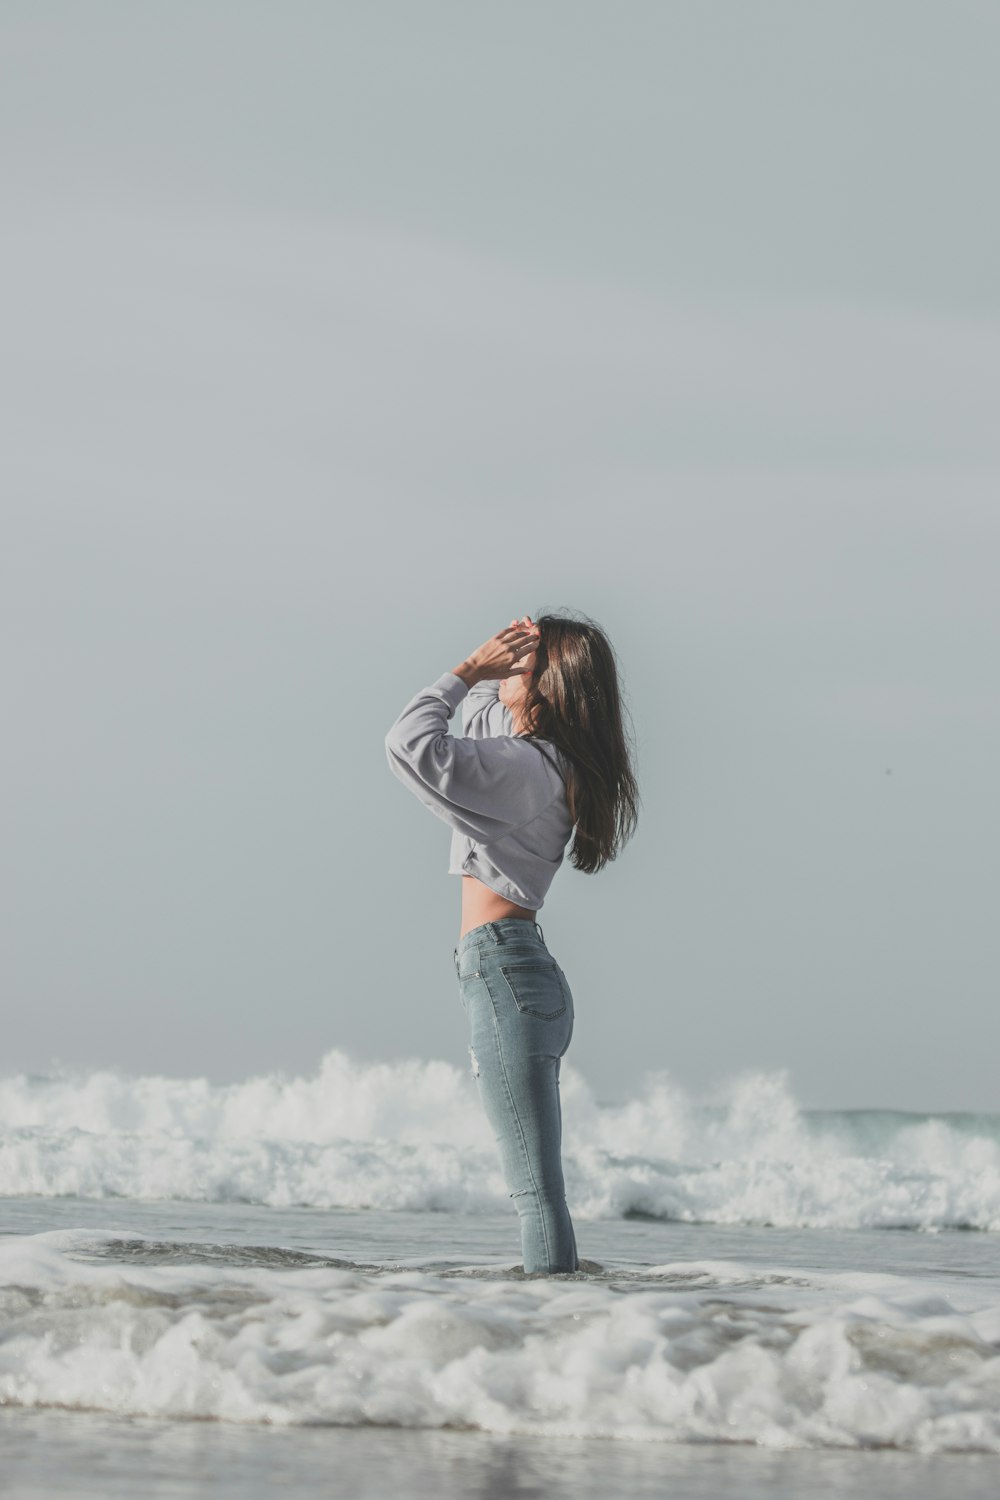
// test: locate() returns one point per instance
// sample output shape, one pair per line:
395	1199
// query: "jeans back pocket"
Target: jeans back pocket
538	989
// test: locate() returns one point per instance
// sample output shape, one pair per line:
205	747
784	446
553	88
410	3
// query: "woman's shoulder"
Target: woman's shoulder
550	751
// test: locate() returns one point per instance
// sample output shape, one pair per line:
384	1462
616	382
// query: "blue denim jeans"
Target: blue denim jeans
519	1008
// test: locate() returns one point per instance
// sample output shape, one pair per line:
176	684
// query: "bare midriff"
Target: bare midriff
480	904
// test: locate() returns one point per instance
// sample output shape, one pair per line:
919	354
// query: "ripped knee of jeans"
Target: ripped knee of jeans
475	1063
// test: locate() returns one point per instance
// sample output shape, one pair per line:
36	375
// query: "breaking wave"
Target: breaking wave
411	1135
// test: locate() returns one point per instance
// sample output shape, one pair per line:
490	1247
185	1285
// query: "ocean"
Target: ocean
313	1284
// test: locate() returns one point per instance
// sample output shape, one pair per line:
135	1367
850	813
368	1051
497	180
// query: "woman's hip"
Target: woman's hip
510	983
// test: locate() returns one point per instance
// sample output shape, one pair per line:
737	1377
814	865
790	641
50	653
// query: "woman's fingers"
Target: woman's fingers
517	642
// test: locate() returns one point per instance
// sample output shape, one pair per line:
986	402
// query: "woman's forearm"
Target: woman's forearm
468	674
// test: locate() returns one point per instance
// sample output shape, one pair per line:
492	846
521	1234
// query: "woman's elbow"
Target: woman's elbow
395	755
396	743
404	756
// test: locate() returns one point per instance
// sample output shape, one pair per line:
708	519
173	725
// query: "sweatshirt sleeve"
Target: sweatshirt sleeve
483	715
485	788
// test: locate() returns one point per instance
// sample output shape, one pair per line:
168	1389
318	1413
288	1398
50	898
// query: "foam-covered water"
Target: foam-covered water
684	1351
411	1135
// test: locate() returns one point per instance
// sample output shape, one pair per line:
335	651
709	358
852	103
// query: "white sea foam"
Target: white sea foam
412	1135
693	1352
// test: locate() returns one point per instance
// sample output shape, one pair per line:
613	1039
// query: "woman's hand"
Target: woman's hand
509	653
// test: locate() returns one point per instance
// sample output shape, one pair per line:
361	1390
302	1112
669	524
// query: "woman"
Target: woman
544	751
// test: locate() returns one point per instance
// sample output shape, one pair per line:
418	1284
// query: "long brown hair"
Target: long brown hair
574	700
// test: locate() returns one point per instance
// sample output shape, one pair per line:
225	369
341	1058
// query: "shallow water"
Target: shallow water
44	1454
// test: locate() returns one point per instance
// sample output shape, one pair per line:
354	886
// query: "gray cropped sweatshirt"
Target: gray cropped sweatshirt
503	797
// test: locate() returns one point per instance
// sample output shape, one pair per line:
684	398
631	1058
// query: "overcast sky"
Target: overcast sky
336	335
